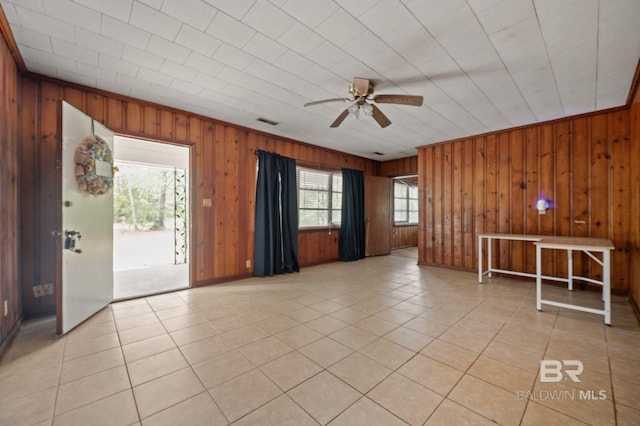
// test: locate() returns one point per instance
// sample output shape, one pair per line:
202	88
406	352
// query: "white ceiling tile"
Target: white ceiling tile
268	19
178	71
117	65
185	87
235	8
263	70
39	23
230	30
120	9
432	11
154	77
99	43
340	28
79	78
156	4
203	64
571	38
293	62
197	13
155	22
209	82
312	13
166	49
264	48
75	52
135	84
32	39
506	14
232	56
233	76
198	41
98	73
51	60
68	11
357	7
124	33
144	59
300	39
386	16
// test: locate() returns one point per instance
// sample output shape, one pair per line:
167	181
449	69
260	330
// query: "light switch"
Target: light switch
206	202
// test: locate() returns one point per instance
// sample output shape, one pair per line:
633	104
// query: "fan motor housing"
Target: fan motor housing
361	87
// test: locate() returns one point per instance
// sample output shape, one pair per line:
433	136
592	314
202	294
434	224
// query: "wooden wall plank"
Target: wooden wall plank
620	195
580	162
503	213
563	190
457	165
438	206
491	192
517	198
532	218
468	232
478	176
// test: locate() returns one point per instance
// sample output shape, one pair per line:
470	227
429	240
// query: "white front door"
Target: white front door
87	260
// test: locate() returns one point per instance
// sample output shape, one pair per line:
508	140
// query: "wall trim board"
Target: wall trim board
528	126
166	108
13	332
635	86
6	32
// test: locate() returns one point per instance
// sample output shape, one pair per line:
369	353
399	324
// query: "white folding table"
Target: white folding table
590	246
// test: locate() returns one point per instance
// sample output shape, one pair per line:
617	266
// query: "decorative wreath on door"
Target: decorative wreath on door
94	166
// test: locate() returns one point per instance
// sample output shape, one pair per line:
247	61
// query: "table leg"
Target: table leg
606	285
480	259
538	277
489	257
570	268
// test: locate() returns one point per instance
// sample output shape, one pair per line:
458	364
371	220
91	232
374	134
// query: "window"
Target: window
319	198
405	203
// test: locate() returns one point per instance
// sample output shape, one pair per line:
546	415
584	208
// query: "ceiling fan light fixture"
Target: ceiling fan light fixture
367	109
354	110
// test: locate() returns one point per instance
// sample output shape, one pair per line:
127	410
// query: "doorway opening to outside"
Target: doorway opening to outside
150	218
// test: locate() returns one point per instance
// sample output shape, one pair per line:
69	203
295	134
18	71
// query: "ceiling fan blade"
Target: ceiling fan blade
399	99
340	118
326	100
379	116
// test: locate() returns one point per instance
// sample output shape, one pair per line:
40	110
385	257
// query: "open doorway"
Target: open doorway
150	218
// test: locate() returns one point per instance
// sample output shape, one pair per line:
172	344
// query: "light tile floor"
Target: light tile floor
380	341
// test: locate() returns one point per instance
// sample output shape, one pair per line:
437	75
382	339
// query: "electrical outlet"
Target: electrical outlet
5	307
248	263
48	289
206	202
38	290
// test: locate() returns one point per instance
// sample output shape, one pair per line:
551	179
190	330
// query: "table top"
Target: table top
553	241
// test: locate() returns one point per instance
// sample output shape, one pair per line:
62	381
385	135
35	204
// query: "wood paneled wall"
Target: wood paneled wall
401	167
490	183
223	167
635	191
9	190
404	236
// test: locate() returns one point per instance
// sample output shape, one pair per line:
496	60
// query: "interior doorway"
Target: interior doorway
150	218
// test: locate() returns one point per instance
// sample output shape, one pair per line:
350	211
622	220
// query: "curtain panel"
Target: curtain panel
276	216
352	226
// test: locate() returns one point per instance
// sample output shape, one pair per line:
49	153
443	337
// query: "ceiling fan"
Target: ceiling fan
361	94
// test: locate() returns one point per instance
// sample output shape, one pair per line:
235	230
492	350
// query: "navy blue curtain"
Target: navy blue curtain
276	216
351	242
